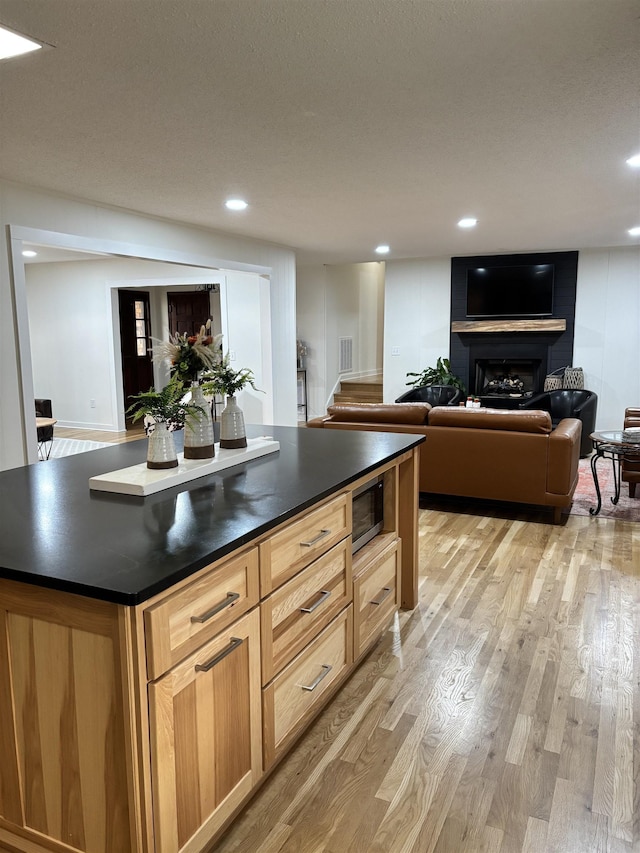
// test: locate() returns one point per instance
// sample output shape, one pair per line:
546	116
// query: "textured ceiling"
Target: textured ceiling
345	123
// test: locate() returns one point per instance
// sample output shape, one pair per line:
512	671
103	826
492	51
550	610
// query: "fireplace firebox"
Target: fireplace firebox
504	377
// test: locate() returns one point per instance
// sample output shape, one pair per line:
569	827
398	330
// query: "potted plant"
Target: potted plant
189	358
169	412
439	375
223	379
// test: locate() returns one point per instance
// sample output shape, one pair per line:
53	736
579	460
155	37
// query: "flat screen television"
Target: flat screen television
513	291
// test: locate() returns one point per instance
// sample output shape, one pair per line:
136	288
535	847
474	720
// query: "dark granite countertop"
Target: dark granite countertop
57	533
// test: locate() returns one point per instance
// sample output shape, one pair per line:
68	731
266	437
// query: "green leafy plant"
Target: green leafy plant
163	406
439	375
223	379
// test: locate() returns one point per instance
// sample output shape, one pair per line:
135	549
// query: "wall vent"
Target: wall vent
345	356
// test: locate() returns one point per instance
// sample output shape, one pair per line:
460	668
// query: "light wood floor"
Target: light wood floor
503	714
99	435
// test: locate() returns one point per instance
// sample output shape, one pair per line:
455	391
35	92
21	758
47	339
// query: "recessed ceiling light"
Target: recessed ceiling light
13	44
635	232
468	222
236	204
382	250
634	161
28	253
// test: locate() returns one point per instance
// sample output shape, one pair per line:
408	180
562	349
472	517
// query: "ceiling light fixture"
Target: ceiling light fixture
13	44
28	253
634	161
635	232
236	204
382	250
468	222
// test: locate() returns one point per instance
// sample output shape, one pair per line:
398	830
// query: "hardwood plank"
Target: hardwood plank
501	714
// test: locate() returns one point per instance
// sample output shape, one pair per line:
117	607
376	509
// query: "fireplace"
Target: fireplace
505	377
506	366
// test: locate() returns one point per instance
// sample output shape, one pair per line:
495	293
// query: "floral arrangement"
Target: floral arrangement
165	406
190	355
223	379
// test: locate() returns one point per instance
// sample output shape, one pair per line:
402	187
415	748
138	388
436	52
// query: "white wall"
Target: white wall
417	308
345	300
33	208
607	329
70	320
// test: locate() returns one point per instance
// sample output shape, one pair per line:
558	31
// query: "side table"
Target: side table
610	445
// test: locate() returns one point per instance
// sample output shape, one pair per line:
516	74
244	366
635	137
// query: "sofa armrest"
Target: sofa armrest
564	456
318	422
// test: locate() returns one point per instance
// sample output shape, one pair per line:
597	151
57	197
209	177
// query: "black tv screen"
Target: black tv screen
518	291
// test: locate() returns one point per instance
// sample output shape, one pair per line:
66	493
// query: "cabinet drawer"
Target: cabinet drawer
298	692
375	594
181	622
302	541
299	609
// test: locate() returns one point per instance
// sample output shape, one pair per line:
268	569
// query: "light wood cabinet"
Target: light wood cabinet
206	744
299	609
295	545
64	733
144	729
181	622
297	693
376	589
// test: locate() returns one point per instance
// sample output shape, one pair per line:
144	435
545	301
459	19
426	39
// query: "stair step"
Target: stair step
367	389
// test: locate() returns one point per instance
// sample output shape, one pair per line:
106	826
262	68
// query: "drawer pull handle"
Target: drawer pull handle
233	644
385	594
324	532
324	594
326	669
231	597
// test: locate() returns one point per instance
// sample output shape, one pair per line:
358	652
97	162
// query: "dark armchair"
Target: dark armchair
567	403
437	395
631	463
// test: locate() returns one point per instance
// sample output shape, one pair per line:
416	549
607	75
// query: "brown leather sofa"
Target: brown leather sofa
631	465
479	453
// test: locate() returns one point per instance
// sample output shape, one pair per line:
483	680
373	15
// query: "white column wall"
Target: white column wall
35	208
417	309
607	331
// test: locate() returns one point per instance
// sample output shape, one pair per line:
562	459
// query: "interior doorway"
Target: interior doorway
187	312
135	345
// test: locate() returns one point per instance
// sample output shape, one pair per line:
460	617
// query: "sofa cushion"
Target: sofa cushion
519	420
381	413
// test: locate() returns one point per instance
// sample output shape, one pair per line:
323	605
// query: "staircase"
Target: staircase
368	389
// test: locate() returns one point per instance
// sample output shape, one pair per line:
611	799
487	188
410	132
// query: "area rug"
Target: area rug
627	509
69	446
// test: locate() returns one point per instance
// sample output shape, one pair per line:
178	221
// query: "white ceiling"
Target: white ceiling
344	123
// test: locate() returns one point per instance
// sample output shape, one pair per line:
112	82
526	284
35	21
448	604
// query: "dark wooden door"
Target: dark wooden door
188	311
135	344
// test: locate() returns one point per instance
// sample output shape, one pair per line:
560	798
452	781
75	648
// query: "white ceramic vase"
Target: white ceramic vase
232	429
198	429
161	448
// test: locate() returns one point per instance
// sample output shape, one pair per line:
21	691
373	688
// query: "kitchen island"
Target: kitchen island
159	655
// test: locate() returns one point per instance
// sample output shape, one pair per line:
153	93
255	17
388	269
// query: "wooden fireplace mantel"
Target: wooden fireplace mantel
509	326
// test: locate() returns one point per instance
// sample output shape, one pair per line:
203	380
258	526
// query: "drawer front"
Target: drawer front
302	541
298	692
183	621
375	595
298	610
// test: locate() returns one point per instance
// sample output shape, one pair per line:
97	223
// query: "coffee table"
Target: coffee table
610	445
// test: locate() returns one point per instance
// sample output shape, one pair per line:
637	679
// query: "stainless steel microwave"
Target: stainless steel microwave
367	512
